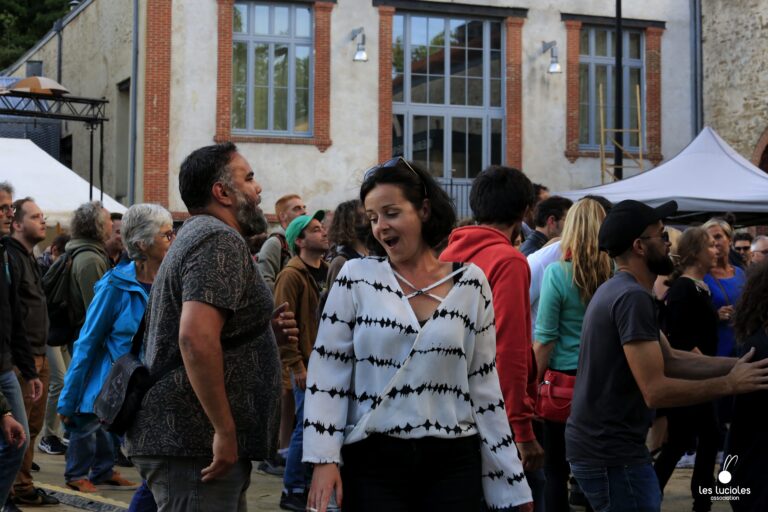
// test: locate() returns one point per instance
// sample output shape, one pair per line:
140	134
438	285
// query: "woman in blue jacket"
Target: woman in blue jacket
112	319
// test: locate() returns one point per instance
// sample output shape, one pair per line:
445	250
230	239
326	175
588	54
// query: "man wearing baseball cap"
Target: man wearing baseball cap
301	284
627	367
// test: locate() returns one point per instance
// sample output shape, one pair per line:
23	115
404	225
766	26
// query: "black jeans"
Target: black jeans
697	426
556	467
383	473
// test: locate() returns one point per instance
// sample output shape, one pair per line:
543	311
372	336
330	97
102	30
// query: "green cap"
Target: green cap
298	224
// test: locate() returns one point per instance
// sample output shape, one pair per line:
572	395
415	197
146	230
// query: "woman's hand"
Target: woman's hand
326	479
284	325
725	313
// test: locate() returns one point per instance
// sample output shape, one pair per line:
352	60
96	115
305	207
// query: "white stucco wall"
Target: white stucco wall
324	179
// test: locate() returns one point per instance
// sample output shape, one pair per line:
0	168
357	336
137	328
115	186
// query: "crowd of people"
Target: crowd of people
385	355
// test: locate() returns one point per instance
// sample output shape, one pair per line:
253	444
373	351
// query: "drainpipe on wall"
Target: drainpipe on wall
58	26
697	72
133	108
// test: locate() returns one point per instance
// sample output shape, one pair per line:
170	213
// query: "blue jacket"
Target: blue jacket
110	322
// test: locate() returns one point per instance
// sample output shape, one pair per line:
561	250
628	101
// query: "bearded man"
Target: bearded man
210	342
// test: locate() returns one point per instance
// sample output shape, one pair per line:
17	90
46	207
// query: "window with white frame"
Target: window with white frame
447	93
272	69
597	72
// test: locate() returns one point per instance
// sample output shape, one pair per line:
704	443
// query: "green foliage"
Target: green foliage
23	22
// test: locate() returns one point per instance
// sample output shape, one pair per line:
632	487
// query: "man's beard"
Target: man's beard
660	264
249	215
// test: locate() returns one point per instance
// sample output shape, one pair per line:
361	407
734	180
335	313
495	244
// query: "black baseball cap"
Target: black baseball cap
626	222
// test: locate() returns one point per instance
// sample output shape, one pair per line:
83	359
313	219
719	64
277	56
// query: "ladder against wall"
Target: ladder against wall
609	136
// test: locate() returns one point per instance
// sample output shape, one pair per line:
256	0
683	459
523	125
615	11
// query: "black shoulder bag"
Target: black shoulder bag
128	381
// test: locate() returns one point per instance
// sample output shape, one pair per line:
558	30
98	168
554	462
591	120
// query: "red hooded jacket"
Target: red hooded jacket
508	273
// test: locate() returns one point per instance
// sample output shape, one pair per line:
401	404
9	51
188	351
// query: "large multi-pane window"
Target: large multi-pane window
272	69
597	71
447	93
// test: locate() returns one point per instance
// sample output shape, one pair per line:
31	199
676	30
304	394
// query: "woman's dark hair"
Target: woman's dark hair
752	307
200	170
416	185
501	195
348	220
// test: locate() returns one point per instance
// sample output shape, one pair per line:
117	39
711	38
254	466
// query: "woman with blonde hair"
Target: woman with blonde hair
725	281
567	288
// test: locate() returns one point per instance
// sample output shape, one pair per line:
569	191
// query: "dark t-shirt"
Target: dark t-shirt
688	317
747	436
609	419
318	274
209	262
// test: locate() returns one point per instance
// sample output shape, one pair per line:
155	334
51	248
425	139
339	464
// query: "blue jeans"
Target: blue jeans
175	483
295	477
619	488
91	452
11	457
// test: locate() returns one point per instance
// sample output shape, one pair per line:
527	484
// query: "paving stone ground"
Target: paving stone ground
264	492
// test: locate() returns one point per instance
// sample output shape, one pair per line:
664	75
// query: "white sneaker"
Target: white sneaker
687	460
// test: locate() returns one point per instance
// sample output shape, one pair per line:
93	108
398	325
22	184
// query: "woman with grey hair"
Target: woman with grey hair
110	322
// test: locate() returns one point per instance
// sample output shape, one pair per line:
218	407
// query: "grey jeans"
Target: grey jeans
176	485
58	360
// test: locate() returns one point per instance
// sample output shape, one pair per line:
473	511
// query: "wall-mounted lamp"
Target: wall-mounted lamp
360	54
554	66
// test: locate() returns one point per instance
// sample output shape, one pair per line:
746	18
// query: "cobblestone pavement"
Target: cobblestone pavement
264	492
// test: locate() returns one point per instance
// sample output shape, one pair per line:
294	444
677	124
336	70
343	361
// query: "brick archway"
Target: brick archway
760	155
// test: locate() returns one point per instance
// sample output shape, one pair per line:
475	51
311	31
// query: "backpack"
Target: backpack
285	251
56	285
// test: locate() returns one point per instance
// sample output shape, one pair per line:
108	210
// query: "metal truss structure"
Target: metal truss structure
66	108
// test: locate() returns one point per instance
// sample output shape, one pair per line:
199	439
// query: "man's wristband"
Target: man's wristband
6	413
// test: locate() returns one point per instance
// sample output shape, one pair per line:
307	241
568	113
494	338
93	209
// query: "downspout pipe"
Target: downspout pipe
697	71
58	26
133	108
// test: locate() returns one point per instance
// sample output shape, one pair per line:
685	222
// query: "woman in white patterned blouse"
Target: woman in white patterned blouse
402	389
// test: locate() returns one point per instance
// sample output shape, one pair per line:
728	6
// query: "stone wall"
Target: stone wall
735	65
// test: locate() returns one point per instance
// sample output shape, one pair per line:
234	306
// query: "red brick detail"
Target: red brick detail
224	71
760	154
514	92
572	30
385	82
652	94
179	215
157	101
322	93
322	81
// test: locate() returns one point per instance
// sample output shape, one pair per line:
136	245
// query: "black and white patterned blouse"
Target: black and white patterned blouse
375	370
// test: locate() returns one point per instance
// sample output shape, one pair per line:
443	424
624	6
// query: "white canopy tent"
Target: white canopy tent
707	176
57	190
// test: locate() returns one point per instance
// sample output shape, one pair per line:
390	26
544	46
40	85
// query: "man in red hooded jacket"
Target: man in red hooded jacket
499	198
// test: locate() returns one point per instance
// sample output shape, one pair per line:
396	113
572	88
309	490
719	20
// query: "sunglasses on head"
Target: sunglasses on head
395	162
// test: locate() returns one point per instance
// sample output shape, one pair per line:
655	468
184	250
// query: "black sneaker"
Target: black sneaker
294	501
65	439
10	506
52	445
36	497
271	467
34	467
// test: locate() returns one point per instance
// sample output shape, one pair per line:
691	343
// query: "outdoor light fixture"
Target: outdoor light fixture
554	66
360	54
